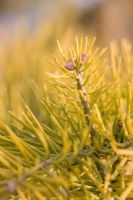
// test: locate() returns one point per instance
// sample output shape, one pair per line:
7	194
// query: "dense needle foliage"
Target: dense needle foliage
72	138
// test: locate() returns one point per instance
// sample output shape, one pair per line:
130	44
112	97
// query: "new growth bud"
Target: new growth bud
84	57
11	186
69	66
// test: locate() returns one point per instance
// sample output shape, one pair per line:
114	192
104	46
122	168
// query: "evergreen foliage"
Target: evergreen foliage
74	137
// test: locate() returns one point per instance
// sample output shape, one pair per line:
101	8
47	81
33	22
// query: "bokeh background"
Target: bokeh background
107	19
28	33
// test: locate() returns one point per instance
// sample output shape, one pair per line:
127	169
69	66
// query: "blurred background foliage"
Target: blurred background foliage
108	19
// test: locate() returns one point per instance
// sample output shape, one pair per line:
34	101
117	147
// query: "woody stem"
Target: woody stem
83	96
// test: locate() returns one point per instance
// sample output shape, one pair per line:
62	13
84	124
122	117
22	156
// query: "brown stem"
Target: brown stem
44	165
84	101
83	97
